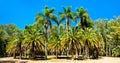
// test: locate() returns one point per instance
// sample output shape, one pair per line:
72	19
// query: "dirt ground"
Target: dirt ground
102	60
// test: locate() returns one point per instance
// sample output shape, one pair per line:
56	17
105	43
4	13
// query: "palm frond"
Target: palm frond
54	18
51	10
62	17
68	9
64	9
72	16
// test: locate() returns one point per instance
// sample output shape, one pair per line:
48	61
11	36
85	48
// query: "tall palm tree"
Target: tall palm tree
67	14
45	20
85	20
79	14
85	23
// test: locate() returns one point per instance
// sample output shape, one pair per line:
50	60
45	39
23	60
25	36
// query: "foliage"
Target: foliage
87	38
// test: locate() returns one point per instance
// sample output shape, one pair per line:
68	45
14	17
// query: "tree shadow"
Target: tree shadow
23	62
10	61
64	57
7	61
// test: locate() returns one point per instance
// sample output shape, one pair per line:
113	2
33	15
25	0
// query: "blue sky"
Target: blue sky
22	12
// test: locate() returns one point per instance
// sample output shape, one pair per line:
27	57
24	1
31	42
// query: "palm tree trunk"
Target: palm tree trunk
60	50
4	50
25	53
32	50
46	36
106	47
80	52
20	50
81	22
67	28
110	51
72	50
14	54
72	55
46	44
56	52
76	53
97	54
86	50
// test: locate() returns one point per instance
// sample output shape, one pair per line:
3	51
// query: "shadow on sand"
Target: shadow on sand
10	61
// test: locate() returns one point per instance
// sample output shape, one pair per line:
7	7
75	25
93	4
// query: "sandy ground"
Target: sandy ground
102	60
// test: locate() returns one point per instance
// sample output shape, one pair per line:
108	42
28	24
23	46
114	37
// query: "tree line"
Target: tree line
88	38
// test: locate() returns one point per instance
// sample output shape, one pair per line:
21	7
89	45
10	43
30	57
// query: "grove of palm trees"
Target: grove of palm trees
54	35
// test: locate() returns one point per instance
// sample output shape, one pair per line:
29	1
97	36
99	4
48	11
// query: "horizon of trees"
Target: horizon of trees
88	38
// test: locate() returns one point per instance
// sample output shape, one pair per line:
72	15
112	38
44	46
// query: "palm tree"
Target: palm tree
86	23
98	45
33	40
45	20
85	20
75	39
2	42
102	27
54	41
14	44
79	14
19	39
113	35
90	38
67	14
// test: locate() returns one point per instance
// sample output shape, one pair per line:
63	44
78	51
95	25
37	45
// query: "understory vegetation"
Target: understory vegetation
87	38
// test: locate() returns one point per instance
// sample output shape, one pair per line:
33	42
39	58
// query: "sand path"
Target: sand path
102	60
